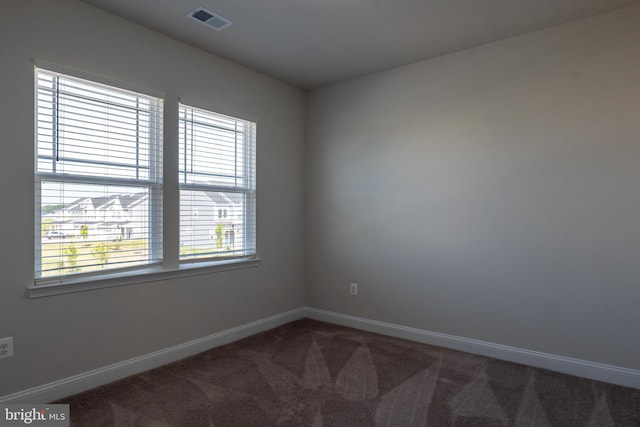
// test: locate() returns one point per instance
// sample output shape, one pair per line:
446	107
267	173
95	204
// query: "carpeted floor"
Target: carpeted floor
309	373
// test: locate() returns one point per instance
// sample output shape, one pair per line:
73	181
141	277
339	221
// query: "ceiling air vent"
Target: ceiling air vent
209	18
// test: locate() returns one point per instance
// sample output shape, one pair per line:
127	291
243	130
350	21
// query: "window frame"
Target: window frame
248	190
170	266
152	184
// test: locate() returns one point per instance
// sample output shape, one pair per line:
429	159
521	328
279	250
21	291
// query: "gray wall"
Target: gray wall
490	194
56	337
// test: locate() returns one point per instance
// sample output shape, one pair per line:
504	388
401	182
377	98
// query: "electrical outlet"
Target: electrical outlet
353	289
6	347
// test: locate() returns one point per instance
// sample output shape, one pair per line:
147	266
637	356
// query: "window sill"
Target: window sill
152	274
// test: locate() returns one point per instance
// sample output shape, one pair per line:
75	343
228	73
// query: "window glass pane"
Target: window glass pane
204	232
213	149
91	227
82	125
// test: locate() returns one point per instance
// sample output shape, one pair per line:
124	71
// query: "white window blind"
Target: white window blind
217	185
98	178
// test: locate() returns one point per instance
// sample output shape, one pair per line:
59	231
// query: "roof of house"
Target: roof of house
128	201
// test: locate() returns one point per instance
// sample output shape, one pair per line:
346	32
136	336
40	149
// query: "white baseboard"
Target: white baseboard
97	377
567	365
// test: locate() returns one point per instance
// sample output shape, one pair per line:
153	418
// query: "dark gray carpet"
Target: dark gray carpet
309	373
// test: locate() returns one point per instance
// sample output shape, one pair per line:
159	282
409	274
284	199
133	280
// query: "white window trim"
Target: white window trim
141	275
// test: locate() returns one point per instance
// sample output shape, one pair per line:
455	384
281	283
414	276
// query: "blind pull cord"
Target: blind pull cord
56	119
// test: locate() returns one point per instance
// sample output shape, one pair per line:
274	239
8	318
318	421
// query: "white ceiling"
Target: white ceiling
310	43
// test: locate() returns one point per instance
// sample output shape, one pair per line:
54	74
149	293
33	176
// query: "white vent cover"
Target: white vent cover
209	18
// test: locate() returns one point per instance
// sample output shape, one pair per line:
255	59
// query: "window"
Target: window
217	178
99	186
98	178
